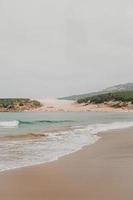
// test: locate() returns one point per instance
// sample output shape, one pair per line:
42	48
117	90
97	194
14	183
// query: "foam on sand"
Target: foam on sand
33	151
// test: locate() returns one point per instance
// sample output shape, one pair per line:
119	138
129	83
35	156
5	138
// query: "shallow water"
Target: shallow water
33	138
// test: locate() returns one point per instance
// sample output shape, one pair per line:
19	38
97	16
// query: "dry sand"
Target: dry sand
103	171
55	105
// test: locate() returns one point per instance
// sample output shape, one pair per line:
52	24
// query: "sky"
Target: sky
57	48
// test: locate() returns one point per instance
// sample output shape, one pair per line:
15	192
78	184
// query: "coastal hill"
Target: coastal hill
18	105
120	87
119	99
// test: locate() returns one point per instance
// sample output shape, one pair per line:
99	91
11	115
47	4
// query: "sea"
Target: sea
33	138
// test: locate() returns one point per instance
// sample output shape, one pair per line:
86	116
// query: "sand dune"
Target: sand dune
55	105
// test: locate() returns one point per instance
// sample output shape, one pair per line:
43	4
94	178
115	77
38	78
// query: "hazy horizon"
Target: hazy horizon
60	48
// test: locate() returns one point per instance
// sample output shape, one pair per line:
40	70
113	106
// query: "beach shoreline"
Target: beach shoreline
98	171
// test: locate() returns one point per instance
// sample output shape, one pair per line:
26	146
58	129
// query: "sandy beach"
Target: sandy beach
102	171
56	105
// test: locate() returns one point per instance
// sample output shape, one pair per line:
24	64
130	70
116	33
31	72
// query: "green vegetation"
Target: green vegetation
76	97
123	96
18	104
10	102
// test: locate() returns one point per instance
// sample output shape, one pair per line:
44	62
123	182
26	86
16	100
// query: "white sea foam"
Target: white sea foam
111	126
16	154
9	124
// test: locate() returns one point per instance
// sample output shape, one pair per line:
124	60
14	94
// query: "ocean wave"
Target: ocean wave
45	121
16	123
9	124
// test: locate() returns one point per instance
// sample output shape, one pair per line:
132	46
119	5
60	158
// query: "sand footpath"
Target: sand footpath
103	171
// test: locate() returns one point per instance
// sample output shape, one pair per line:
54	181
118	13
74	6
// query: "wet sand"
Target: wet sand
102	171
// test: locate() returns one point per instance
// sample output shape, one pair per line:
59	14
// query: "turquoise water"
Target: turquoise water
33	138
18	123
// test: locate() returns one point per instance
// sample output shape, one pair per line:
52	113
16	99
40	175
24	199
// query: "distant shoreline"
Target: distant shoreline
56	105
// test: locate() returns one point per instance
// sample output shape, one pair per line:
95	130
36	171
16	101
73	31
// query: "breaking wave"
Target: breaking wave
9	124
16	123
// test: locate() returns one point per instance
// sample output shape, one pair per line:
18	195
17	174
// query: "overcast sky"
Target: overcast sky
61	47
